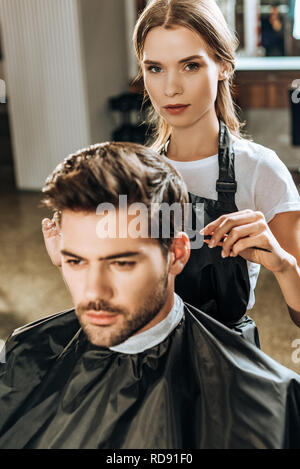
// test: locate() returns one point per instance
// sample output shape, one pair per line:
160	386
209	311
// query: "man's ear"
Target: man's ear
179	253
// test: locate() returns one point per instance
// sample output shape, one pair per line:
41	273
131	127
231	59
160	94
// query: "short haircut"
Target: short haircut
102	172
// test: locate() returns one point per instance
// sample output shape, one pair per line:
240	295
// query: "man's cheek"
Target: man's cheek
66	276
144	282
73	284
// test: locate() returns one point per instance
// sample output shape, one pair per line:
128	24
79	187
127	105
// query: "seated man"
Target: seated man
132	366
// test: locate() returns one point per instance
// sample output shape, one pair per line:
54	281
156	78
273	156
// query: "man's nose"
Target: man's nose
173	85
98	284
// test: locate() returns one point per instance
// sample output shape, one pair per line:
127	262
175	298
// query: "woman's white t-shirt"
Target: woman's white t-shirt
263	183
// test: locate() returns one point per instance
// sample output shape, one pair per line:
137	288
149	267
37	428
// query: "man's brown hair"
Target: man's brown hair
103	172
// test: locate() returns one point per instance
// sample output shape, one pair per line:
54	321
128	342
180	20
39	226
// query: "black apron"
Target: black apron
219	287
203	386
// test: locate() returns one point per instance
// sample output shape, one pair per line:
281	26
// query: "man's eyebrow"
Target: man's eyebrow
186	59
64	252
113	256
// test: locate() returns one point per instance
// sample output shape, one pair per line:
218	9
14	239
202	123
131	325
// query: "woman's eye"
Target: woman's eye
154	69
193	66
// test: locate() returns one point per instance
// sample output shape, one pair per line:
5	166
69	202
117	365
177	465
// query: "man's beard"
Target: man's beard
111	335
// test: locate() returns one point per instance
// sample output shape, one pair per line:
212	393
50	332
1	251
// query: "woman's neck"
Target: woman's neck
196	142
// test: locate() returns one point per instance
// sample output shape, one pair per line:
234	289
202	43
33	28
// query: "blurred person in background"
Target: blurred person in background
272	33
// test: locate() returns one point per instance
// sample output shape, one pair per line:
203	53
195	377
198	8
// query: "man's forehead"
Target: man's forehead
88	234
114	223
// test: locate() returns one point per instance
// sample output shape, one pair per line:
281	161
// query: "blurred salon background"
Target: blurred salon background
66	73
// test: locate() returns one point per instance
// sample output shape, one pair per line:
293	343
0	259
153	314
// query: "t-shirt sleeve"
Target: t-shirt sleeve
274	188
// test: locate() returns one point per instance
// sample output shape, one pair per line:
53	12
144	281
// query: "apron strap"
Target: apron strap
226	185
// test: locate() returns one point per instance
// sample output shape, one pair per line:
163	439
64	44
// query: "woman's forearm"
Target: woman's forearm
289	282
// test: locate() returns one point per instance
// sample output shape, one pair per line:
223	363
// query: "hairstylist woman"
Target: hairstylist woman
186	56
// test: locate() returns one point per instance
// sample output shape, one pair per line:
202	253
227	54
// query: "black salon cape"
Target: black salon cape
204	386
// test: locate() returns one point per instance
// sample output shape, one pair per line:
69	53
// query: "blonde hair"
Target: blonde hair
205	18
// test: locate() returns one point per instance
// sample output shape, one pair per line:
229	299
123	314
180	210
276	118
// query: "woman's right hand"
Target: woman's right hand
51	233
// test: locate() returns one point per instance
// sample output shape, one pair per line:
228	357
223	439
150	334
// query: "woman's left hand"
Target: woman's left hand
51	234
241	232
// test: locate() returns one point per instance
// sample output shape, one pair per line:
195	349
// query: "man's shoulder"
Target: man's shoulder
48	335
232	346
57	320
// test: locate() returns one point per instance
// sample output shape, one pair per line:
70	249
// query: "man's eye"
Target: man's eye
73	261
193	66
124	264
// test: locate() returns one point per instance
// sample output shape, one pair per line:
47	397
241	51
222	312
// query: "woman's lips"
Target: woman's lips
176	109
102	319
